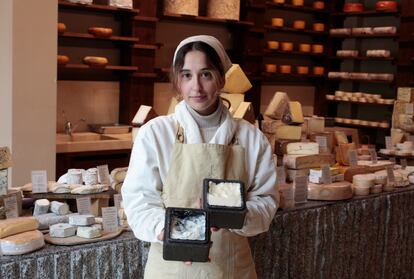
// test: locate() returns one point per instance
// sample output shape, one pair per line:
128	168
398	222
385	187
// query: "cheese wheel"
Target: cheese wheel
318	27
317	48
363	180
62	59
89	232
95	61
299	24
386	5
302	70
361	191
100	32
318	71
304	47
318	5
285	69
273	44
22	243
287	46
271	68
297	2
330	192
279	1
17	225
353	7
61	27
278	22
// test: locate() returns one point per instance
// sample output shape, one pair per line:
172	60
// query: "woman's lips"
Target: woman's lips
198	98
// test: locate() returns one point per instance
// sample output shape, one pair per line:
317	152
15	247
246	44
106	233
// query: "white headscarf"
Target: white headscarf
211	41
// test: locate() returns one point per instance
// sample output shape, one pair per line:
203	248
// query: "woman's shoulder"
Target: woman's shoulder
159	125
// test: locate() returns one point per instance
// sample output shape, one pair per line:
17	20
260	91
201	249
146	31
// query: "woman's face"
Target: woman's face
197	84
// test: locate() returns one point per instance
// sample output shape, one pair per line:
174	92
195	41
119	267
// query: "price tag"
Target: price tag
388	143
403	163
280	175
373	154
117	200
409	108
10	203
110	219
3	182
326	174
301	189
84	205
352	157
390	174
103	174
39	181
322	142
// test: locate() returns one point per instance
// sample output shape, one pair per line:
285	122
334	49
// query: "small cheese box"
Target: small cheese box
186	235
224	200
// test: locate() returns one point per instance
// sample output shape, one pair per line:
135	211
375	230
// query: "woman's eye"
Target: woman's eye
186	75
206	74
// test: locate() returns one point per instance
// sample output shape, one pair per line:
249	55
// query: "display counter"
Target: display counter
363	237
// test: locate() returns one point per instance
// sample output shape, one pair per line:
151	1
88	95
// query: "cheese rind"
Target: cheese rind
81	220
89	232
17	225
307	161
295	115
62	230
236	81
59	208
330	192
289	132
302	148
90	189
22	243
41	207
278	106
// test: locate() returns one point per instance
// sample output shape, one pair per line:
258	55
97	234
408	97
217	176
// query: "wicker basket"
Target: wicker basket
182	7
224	9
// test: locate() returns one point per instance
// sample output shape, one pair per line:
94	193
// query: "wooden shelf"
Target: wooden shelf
359	126
205	19
281	52
270	77
146	46
363	58
144	75
257	30
95	7
106	68
89	36
146	18
363	80
371	13
359	103
256	6
293	30
302	9
364	36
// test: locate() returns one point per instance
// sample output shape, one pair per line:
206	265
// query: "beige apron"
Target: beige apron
190	164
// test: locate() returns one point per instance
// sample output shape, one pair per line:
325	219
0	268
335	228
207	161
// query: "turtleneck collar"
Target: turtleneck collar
208	121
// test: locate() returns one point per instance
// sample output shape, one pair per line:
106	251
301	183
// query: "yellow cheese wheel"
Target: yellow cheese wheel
271	68
277	22
95	61
317	48
279	1
318	70
273	44
297	2
299	24
62	59
319	5
287	46
17	225
100	32
304	47
302	70
285	69
319	27
61	27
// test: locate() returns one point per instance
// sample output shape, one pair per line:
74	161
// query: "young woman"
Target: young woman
173	154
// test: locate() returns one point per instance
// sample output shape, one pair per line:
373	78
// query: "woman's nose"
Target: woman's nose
196	84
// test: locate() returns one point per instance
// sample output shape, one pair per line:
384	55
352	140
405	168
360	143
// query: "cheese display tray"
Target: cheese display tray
76	240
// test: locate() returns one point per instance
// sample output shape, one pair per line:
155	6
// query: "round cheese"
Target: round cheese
318	27
299	24
317	48
330	192
100	32
297	2
271	68
302	70
273	44
95	61
62	59
304	47
318	5
22	243
285	69
363	180
287	46
277	22
361	191
318	70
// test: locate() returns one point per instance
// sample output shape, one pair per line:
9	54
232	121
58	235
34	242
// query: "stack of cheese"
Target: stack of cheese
80	225
118	176
49	213
403	114
20	236
397	135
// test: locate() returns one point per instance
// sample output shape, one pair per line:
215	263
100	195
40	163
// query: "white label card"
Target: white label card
374	157
280	175
326	174
409	108
110	219
390	174
301	189
388	143
403	163
353	157
117	200
39	181
10	203
103	174
3	182
84	205
322	142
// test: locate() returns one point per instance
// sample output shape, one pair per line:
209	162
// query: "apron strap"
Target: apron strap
180	134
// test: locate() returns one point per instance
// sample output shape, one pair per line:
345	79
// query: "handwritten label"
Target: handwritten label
326	174
388	143
39	181
103	174
110	219
3	182
84	205
374	157
280	175
301	189
352	157
409	108
117	200
10	203
322	142
390	174
403	163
